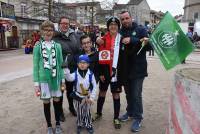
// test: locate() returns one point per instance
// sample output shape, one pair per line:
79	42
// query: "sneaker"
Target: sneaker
136	125
58	129
79	129
90	130
125	117
49	130
96	117
117	123
62	118
73	111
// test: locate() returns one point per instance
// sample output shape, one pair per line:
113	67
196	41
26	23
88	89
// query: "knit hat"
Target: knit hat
113	19
83	58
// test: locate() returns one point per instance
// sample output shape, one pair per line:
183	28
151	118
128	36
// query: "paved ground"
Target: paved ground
21	111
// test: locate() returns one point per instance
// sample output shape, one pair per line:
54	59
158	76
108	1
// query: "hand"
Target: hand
37	91
89	101
99	41
145	40
114	70
126	40
102	78
63	87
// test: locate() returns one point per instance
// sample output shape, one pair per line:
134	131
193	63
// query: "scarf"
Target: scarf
50	64
109	52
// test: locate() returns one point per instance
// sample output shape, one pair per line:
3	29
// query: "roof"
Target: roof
88	3
119	6
134	2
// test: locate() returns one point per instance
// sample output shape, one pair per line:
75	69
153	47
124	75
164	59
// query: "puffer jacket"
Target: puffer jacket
70	47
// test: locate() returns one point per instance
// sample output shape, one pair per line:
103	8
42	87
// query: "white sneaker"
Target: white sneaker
49	130
58	129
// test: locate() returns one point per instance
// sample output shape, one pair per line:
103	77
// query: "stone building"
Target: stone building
191	10
139	10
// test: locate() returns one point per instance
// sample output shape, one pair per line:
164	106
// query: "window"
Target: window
23	9
196	15
35	10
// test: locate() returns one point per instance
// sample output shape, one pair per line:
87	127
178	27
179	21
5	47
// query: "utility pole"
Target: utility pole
49	9
92	23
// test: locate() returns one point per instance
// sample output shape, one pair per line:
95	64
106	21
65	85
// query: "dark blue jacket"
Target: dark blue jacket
131	65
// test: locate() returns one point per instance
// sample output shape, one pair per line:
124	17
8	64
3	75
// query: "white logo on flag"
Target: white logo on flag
167	39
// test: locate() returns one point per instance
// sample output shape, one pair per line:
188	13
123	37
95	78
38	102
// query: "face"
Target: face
48	33
86	44
113	28
83	65
64	25
126	19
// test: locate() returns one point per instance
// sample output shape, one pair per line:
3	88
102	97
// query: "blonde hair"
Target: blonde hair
47	23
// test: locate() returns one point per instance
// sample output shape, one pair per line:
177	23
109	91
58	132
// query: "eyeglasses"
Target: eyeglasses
64	23
84	43
48	30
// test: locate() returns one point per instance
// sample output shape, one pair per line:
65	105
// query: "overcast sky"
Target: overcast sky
175	7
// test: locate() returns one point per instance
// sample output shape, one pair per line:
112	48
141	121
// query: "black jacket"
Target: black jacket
70	47
131	65
94	64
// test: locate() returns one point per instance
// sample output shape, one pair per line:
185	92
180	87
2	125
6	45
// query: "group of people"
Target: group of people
29	43
62	60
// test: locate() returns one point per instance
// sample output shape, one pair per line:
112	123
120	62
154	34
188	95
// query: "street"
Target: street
21	112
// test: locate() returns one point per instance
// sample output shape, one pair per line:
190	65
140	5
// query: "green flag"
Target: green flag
170	43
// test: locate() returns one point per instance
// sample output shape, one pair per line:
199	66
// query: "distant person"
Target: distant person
48	74
195	37
28	47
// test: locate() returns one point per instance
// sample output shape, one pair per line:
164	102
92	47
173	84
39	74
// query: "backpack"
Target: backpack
90	80
73	94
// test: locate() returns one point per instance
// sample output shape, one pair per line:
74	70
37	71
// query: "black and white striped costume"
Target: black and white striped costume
84	117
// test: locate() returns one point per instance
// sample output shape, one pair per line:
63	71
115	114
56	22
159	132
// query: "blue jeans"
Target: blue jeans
134	98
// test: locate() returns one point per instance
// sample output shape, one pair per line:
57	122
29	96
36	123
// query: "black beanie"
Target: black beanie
113	19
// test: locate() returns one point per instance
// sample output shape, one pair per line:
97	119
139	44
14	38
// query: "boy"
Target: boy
48	74
88	49
83	93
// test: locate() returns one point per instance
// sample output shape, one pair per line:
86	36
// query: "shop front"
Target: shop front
8	29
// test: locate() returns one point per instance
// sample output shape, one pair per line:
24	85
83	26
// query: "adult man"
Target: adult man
132	67
70	49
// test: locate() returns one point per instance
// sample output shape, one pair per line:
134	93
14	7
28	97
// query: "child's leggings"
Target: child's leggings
84	118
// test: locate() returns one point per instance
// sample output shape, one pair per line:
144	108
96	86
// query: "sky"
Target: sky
175	7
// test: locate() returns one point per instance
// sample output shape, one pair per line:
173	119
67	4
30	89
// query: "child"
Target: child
86	45
108	62
47	73
83	93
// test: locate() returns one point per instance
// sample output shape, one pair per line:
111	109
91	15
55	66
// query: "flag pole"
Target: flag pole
141	48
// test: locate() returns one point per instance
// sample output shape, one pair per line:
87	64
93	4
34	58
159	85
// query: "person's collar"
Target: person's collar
68	32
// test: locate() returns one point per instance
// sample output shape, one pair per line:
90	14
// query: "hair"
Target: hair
47	23
84	37
63	17
125	11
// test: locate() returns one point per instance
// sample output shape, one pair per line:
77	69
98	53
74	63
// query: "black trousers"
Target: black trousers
69	89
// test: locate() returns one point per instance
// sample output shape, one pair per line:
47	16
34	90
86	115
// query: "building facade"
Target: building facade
8	29
139	10
86	12
29	16
155	17
191	10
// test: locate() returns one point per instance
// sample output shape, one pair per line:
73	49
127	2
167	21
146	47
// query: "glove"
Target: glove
114	70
